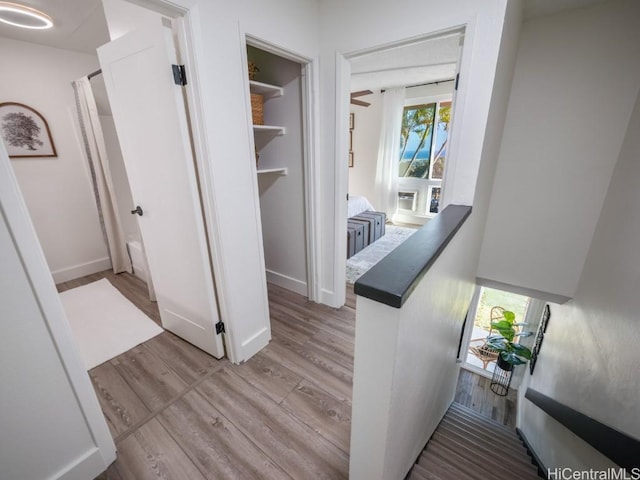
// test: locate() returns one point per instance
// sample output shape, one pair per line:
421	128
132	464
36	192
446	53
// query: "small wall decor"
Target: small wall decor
25	132
351	126
544	323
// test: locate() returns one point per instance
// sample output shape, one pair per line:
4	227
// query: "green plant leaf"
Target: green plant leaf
521	350
498	343
509	316
504	328
512	358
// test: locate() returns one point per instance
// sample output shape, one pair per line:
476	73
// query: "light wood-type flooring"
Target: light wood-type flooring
178	413
473	392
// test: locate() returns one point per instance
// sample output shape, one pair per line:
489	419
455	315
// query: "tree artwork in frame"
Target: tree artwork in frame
25	132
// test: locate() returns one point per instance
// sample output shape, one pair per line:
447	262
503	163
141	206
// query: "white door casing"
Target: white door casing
150	119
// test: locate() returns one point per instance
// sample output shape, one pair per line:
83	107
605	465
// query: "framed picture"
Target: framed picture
350	159
352	119
537	345
25	132
545	318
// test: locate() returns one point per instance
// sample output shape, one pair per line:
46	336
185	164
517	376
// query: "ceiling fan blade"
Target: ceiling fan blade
361	93
359	103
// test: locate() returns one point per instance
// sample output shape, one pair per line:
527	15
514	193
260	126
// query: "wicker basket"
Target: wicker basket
257	109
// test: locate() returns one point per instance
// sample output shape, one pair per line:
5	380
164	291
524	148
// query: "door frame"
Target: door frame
309	141
343	80
184	21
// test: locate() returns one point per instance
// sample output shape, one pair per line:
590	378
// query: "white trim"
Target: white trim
188	30
80	270
310	120
255	343
186	21
343	78
343	81
287	282
458	113
468	329
37	271
326	296
477	370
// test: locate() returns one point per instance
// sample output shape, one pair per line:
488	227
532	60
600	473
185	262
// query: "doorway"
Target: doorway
400	120
277	85
488	306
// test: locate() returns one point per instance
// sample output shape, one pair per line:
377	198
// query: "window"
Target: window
423	153
423	149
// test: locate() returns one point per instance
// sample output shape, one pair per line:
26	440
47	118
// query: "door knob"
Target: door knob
138	210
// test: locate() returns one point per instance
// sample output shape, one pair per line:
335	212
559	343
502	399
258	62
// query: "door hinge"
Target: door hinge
220	328
179	75
457	80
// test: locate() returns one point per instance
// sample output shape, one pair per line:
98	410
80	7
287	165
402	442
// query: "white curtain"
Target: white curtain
102	182
389	150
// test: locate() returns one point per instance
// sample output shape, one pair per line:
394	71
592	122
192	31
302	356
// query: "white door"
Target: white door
150	118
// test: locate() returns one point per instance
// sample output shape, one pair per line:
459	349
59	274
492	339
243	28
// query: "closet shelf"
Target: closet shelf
269	91
263	134
280	171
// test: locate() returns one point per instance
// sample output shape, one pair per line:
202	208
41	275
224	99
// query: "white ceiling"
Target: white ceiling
426	61
537	8
78	25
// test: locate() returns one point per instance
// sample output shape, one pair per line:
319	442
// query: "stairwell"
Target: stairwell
469	446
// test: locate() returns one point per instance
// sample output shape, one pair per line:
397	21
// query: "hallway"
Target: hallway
178	413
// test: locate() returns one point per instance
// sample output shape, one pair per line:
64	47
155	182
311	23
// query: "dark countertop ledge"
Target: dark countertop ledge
393	279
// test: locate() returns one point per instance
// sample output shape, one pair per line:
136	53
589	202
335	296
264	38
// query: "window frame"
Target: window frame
425	185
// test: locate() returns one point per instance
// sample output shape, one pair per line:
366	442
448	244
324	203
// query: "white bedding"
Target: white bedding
357	205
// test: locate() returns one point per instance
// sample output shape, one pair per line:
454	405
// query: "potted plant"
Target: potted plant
510	353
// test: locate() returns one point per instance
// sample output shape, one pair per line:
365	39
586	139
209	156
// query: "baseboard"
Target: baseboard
542	470
254	344
90	465
289	283
328	297
77	271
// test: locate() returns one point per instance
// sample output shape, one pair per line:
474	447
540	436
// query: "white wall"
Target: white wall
392	346
366	140
231	193
405	368
282	198
51	425
344	32
57	190
575	83
589	358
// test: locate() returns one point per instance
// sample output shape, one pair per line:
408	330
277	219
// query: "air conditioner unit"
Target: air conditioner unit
407	200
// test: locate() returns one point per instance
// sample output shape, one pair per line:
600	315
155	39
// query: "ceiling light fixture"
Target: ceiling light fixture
23	16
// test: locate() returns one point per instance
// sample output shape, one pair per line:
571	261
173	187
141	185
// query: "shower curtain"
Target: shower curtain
101	175
389	150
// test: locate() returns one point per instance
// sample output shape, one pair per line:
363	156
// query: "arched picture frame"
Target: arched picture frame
25	132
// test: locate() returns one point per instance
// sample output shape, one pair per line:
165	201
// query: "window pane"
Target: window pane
440	145
415	140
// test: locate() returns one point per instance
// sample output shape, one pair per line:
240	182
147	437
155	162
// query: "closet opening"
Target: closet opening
281	124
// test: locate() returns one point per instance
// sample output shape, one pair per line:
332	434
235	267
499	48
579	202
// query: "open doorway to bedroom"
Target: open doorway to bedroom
399	123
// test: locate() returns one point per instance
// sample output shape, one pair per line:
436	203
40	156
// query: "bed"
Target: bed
357	205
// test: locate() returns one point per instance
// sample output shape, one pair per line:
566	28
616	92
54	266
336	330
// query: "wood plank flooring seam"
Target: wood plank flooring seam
166	405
